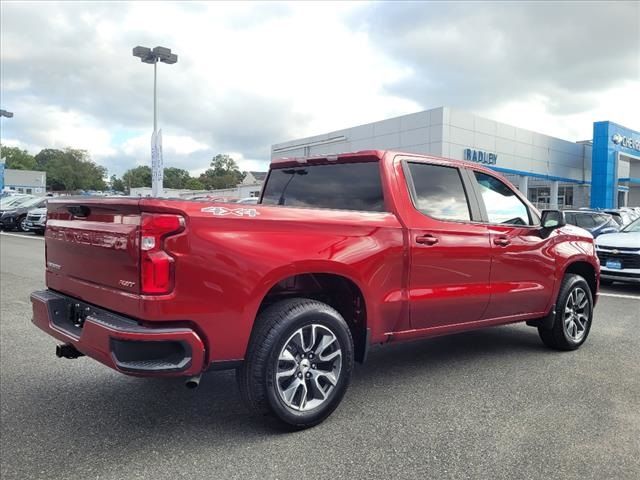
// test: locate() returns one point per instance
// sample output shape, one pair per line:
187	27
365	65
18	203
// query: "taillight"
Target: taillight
157	269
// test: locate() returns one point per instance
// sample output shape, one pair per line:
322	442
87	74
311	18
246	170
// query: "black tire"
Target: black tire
606	282
20	224
559	337
274	327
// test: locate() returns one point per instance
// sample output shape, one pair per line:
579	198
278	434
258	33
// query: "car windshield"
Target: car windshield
31	202
14	202
632	227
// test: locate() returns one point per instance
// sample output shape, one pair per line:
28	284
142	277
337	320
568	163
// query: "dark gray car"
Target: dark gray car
13	214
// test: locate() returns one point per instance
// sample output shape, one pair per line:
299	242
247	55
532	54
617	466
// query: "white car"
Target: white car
249	200
36	220
619	255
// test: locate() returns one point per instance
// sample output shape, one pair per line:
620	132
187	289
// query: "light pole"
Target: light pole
3	113
148	55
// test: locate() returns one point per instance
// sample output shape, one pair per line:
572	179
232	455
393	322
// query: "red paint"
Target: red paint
419	276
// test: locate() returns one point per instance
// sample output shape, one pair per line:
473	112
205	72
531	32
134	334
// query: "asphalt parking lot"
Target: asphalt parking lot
487	404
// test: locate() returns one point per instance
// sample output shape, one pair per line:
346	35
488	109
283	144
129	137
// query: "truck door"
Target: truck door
522	271
450	252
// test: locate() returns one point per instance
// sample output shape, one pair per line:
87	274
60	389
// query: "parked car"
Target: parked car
37	220
13	215
249	200
342	253
632	212
621	217
596	223
619	255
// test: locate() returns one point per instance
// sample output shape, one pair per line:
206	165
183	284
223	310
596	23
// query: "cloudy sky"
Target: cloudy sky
250	75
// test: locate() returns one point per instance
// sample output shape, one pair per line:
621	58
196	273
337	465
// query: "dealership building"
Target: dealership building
603	172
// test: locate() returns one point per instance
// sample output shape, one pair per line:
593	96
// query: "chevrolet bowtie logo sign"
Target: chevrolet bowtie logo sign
627	142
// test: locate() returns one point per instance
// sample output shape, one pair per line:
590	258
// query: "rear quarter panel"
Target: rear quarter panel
232	255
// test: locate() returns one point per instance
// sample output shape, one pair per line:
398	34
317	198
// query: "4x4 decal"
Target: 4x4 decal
238	212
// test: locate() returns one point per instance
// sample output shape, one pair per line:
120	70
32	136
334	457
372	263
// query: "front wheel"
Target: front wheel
574	315
299	362
22	224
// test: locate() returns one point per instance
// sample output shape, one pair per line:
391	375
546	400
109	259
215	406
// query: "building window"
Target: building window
565	196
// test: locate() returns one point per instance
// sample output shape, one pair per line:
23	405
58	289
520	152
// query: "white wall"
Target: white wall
416	133
517	148
448	132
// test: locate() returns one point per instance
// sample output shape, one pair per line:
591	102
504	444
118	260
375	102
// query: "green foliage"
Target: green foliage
70	169
137	177
194	184
17	159
223	174
117	184
176	178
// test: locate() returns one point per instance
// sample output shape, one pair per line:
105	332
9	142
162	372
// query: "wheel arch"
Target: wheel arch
587	271
336	289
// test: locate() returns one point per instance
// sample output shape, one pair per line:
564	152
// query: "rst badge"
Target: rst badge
224	211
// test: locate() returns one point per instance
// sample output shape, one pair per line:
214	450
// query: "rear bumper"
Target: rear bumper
116	341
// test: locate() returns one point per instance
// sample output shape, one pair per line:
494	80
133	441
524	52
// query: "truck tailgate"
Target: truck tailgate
95	240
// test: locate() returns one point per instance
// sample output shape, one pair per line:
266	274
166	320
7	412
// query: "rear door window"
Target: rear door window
341	186
438	191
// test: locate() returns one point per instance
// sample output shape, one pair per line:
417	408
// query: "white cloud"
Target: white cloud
253	74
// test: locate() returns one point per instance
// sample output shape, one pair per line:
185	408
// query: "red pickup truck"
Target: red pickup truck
341	252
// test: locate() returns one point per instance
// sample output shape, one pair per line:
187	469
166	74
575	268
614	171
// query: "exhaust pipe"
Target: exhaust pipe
193	382
66	350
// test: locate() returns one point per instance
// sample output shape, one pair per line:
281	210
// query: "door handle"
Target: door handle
426	239
501	241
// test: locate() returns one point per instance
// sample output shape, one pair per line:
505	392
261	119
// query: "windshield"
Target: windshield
31	202
632	227
14	202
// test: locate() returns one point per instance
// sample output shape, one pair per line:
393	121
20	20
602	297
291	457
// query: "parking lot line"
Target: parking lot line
617	295
32	237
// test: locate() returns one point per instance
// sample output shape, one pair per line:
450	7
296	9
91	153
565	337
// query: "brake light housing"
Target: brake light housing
157	269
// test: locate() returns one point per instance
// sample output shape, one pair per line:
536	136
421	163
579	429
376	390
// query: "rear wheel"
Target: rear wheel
299	362
574	315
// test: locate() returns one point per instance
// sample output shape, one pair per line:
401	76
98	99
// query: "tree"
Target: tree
223	174
194	184
117	184
137	177
17	159
70	169
175	178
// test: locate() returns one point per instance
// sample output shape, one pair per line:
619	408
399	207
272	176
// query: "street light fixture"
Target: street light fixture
4	113
155	55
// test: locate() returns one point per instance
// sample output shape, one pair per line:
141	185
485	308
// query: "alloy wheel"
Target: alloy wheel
309	367
577	312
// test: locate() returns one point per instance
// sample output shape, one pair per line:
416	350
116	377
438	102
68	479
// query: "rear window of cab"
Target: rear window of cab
340	186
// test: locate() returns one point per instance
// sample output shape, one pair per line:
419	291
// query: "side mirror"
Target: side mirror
552	219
